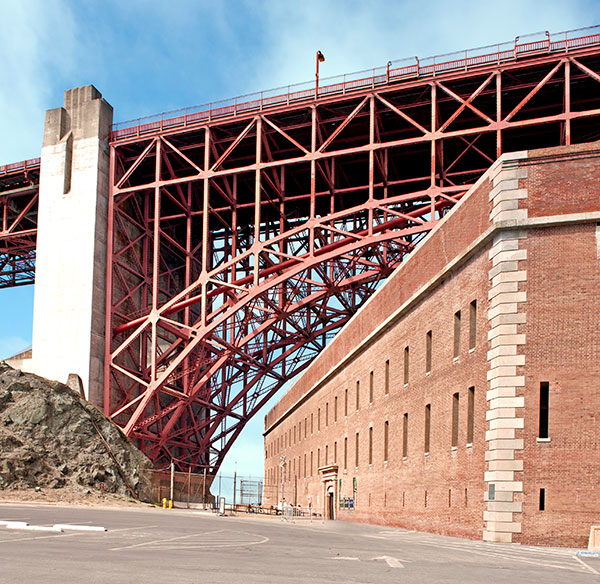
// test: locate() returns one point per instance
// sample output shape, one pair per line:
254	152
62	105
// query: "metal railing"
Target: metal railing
16	166
392	73
294	513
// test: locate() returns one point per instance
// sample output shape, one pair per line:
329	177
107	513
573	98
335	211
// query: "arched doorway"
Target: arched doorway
331	503
329	480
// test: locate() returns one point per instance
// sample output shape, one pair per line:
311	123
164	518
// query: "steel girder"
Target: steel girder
238	248
19	186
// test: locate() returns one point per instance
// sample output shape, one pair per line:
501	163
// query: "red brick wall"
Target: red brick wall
563	348
563	180
398	489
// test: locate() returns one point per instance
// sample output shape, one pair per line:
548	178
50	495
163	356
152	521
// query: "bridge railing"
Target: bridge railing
393	72
17	166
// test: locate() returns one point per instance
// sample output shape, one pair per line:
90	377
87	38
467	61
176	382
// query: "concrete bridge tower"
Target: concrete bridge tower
69	301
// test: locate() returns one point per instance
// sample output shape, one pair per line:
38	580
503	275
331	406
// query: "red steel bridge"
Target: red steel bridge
19	186
244	234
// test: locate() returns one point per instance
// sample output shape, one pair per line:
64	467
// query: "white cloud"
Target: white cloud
361	35
37	47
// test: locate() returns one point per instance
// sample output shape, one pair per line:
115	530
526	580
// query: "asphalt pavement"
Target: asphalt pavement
186	546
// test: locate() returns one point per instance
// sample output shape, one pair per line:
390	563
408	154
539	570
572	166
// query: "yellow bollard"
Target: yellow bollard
170	503
164	502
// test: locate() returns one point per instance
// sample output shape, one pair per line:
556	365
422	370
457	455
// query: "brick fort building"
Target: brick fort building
464	397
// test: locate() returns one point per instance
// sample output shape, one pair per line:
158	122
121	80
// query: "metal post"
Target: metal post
204	488
189	484
234	488
172	480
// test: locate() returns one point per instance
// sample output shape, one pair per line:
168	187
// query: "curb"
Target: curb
25	526
69	527
56	528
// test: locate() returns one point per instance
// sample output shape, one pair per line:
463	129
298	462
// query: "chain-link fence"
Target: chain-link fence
239	494
187	489
182	488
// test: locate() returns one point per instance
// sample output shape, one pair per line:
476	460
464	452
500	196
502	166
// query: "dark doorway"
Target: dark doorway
331	505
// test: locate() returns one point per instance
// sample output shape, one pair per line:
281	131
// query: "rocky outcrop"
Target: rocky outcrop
51	437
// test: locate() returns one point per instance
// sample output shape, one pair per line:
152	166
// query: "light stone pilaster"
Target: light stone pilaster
507	317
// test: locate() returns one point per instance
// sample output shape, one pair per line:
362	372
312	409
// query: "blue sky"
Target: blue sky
148	56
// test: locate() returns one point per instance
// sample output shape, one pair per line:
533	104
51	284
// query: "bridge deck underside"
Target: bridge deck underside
18	226
238	248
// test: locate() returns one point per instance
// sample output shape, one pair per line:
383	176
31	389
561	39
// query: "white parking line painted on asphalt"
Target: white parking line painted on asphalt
526	552
132	528
509	555
389	537
212	542
391	562
61	535
550	558
586	566
537	550
184	548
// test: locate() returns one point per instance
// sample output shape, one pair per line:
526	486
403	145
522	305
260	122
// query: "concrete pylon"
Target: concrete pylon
69	297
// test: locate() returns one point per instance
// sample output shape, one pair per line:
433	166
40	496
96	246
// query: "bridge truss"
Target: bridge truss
19	190
240	244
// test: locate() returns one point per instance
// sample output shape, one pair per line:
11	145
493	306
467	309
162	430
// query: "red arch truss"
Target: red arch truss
239	246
